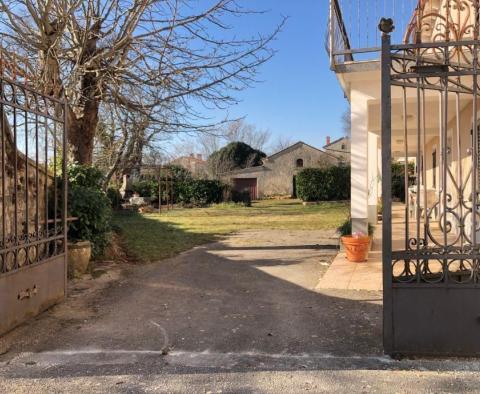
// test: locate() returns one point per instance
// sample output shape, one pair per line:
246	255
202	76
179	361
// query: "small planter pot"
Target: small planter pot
79	254
356	248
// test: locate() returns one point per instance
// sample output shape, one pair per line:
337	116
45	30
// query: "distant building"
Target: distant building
194	163
276	177
339	148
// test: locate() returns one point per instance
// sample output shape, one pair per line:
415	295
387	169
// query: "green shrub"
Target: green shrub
200	192
186	189
85	176
242	197
324	184
115	197
346	228
89	203
146	188
398	179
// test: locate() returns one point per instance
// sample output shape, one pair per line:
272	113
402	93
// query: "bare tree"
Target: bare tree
235	131
282	142
153	57
248	133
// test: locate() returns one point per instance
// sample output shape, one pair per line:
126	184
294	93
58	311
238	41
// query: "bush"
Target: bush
115	197
186	189
346	228
324	184
242	197
398	179
147	188
200	192
89	203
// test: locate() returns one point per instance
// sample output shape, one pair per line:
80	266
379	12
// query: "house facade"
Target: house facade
358	70
276	177
413	85
194	163
339	148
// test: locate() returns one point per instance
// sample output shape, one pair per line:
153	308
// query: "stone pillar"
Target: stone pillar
359	161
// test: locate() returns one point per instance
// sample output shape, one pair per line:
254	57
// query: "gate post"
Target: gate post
386	106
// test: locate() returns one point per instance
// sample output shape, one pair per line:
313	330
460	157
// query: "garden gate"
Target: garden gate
33	198
431	249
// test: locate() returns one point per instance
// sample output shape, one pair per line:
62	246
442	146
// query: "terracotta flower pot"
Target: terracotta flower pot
356	248
79	254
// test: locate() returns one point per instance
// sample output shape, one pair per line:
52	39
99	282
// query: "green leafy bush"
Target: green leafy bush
115	197
146	188
346	228
85	176
89	203
324	184
242	197
187	190
200	192
398	179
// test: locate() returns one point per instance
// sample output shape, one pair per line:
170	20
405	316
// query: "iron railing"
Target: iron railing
352	29
353	34
32	173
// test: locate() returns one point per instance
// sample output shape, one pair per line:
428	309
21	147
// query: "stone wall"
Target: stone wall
26	175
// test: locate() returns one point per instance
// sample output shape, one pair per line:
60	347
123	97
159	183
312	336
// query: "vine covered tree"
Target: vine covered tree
234	156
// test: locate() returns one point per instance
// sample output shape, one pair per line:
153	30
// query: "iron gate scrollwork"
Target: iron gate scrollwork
431	252
33	198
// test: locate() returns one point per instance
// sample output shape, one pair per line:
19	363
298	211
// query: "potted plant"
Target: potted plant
356	244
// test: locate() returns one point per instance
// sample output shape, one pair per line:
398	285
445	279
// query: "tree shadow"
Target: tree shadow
210	301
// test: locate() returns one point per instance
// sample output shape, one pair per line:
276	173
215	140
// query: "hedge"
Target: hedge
398	179
324	184
187	191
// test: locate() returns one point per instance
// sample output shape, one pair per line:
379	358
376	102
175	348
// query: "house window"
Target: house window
299	163
343	146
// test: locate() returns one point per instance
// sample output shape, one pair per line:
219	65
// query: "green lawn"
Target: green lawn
151	237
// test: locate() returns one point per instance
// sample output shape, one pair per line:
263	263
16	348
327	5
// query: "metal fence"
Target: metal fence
352	29
32	166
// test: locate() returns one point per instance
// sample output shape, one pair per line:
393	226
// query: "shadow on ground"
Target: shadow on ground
222	305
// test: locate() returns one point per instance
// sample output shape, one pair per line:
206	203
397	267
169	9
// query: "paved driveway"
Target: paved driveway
243	306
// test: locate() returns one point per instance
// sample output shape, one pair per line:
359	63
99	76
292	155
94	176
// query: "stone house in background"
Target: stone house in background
276	177
339	148
194	163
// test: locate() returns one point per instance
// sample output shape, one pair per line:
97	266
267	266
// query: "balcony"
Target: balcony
354	38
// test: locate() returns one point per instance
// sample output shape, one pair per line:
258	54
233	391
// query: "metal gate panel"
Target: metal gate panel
431	251
33	198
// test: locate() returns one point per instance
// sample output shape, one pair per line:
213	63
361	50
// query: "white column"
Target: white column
372	177
359	161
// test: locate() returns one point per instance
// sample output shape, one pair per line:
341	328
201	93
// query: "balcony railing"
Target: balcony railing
353	33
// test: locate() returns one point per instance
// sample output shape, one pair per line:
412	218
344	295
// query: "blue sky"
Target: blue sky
299	97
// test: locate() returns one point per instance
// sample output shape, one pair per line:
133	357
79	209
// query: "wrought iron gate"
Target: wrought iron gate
33	199
431	243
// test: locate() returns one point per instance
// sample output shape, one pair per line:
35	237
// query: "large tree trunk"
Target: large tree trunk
83	120
81	133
